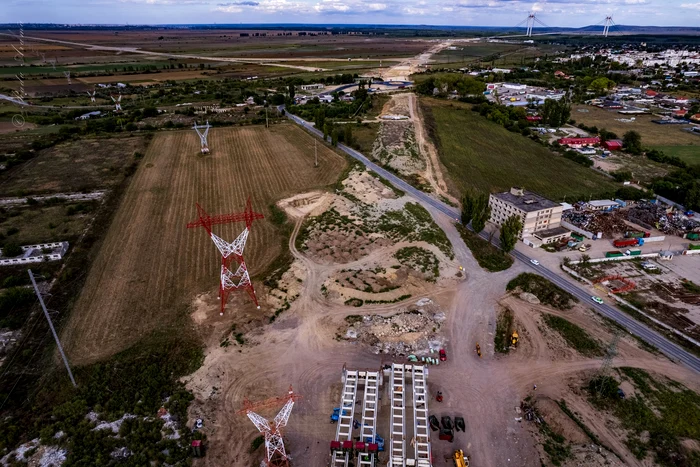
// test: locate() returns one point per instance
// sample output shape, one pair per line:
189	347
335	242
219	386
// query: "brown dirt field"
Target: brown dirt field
150	267
8	127
73	166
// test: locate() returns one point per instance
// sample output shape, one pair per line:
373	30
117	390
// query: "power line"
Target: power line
53	330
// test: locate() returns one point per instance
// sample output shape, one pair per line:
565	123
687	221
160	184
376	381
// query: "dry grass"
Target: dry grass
151	267
73	166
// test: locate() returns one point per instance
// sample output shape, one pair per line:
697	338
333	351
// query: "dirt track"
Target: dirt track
150	266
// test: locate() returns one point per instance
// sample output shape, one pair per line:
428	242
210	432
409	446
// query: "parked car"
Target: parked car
443	355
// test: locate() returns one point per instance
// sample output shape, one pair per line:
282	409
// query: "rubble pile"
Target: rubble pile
650	215
410	332
610	223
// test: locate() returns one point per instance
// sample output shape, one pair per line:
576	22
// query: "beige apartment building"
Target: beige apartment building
541	217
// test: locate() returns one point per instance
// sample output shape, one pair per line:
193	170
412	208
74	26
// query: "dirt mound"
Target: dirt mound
529	298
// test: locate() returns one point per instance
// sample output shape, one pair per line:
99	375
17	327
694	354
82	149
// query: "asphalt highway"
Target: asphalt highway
670	349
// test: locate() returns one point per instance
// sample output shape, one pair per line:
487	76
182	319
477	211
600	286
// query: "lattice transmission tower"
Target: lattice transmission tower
276	454
203	133
234	272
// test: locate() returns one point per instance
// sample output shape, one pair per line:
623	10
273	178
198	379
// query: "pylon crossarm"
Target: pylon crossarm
236	247
283	416
260	423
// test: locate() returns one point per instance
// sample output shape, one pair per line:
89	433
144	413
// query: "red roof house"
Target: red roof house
578	142
613	145
651	93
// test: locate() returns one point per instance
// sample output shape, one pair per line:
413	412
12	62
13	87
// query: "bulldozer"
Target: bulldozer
478	349
514	339
460	459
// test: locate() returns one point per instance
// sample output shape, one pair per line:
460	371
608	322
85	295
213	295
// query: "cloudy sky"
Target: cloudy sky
437	12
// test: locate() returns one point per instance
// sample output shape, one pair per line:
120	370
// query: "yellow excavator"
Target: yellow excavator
514	338
460	459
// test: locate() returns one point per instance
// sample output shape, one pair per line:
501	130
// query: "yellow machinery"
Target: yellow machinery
514	338
460	459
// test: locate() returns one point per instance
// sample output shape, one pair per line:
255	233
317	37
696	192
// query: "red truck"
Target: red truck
625	242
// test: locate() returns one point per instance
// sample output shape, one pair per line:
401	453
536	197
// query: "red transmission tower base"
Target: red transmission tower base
234	272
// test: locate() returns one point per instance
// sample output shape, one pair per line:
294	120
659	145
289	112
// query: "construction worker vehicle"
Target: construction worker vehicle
478	350
460	459
514	338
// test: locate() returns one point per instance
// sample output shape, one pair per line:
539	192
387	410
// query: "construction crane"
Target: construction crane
276	455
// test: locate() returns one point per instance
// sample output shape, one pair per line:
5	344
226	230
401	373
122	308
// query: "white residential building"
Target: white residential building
541	217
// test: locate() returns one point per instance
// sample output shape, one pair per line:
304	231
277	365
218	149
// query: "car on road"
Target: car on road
535	262
598	300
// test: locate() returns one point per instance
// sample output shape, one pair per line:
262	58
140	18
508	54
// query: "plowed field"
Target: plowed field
150	266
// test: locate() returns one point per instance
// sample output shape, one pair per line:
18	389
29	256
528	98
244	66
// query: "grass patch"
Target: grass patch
381	302
665	410
504	329
256	443
356	302
690	154
481	154
544	290
486	254
574	335
419	259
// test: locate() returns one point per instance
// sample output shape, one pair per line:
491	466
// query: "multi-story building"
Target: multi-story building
540	217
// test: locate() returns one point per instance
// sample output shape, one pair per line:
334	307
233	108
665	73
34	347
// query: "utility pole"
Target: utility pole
315	152
53	330
267	125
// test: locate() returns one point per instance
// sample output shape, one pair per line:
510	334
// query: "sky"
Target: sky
569	13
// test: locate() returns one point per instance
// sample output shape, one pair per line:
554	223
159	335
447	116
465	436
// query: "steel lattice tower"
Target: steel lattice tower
234	272
276	454
203	136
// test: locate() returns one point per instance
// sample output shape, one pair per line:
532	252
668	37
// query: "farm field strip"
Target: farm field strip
150	267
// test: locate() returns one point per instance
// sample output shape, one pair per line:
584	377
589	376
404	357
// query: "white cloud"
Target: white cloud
691	6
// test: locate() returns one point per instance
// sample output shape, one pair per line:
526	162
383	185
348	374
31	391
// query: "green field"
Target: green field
689	154
480	154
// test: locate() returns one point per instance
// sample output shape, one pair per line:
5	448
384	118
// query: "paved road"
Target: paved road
670	349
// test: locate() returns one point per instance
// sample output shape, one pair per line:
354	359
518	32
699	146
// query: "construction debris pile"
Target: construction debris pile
410	332
670	222
644	214
611	224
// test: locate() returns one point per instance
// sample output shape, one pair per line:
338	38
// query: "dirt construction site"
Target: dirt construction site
373	279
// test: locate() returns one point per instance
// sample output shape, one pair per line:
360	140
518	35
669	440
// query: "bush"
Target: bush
543	289
575	336
486	254
11	249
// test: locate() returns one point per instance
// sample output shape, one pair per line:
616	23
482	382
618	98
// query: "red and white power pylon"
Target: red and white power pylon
276	455
234	272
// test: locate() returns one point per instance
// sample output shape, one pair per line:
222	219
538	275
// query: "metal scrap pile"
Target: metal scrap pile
655	216
610	223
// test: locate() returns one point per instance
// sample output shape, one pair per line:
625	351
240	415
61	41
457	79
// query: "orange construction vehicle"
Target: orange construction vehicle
478	349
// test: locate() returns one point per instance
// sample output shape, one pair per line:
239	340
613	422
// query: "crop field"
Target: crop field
652	133
150	267
86	165
481	154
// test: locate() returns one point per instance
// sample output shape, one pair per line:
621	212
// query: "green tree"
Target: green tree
481	213
292	91
348	135
632	142
602	84
334	136
510	231
467	207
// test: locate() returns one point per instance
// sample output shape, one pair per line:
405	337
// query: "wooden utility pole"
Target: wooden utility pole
53	330
315	152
